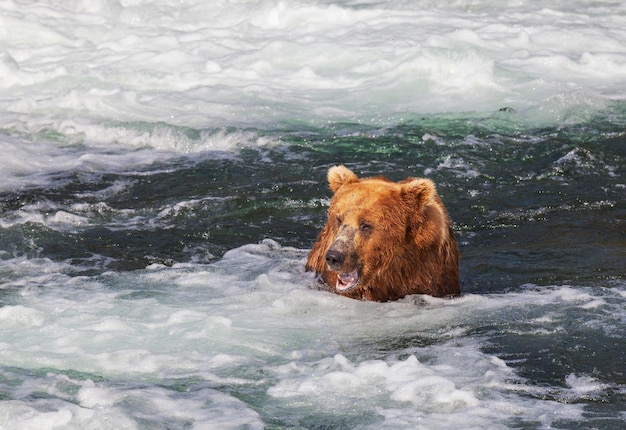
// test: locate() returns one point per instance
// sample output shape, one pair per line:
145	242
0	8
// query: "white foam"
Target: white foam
458	166
585	385
107	148
255	308
339	380
465	387
250	62
94	85
20	315
99	405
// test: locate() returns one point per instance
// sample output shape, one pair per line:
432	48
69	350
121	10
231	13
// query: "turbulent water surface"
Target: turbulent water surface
163	177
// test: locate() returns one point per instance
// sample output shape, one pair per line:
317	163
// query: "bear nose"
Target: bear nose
335	258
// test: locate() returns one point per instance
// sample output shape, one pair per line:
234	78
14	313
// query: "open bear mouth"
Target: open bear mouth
347	281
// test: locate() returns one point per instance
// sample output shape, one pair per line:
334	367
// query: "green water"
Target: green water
538	206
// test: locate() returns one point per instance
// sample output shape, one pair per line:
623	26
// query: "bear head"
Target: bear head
384	240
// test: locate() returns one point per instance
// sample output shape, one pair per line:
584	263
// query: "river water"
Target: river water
162	178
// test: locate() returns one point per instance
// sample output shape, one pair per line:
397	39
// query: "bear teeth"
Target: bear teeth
347	281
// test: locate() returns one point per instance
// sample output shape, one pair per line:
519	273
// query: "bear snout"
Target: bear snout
335	258
341	249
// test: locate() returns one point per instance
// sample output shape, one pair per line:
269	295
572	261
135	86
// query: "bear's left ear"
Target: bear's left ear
340	175
418	192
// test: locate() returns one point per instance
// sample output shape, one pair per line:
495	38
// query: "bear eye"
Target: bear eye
365	227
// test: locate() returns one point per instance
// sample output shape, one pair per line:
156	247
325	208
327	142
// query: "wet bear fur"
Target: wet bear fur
385	240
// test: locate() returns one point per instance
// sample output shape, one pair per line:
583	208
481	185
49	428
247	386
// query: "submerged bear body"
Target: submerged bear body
384	240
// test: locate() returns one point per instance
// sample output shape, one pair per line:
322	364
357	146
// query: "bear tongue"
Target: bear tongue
347	281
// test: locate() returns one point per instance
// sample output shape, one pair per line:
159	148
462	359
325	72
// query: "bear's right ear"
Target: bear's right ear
339	176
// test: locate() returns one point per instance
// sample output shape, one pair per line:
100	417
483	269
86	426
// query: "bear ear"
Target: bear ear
418	192
339	176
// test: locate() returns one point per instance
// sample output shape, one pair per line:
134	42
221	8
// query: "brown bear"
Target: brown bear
384	240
